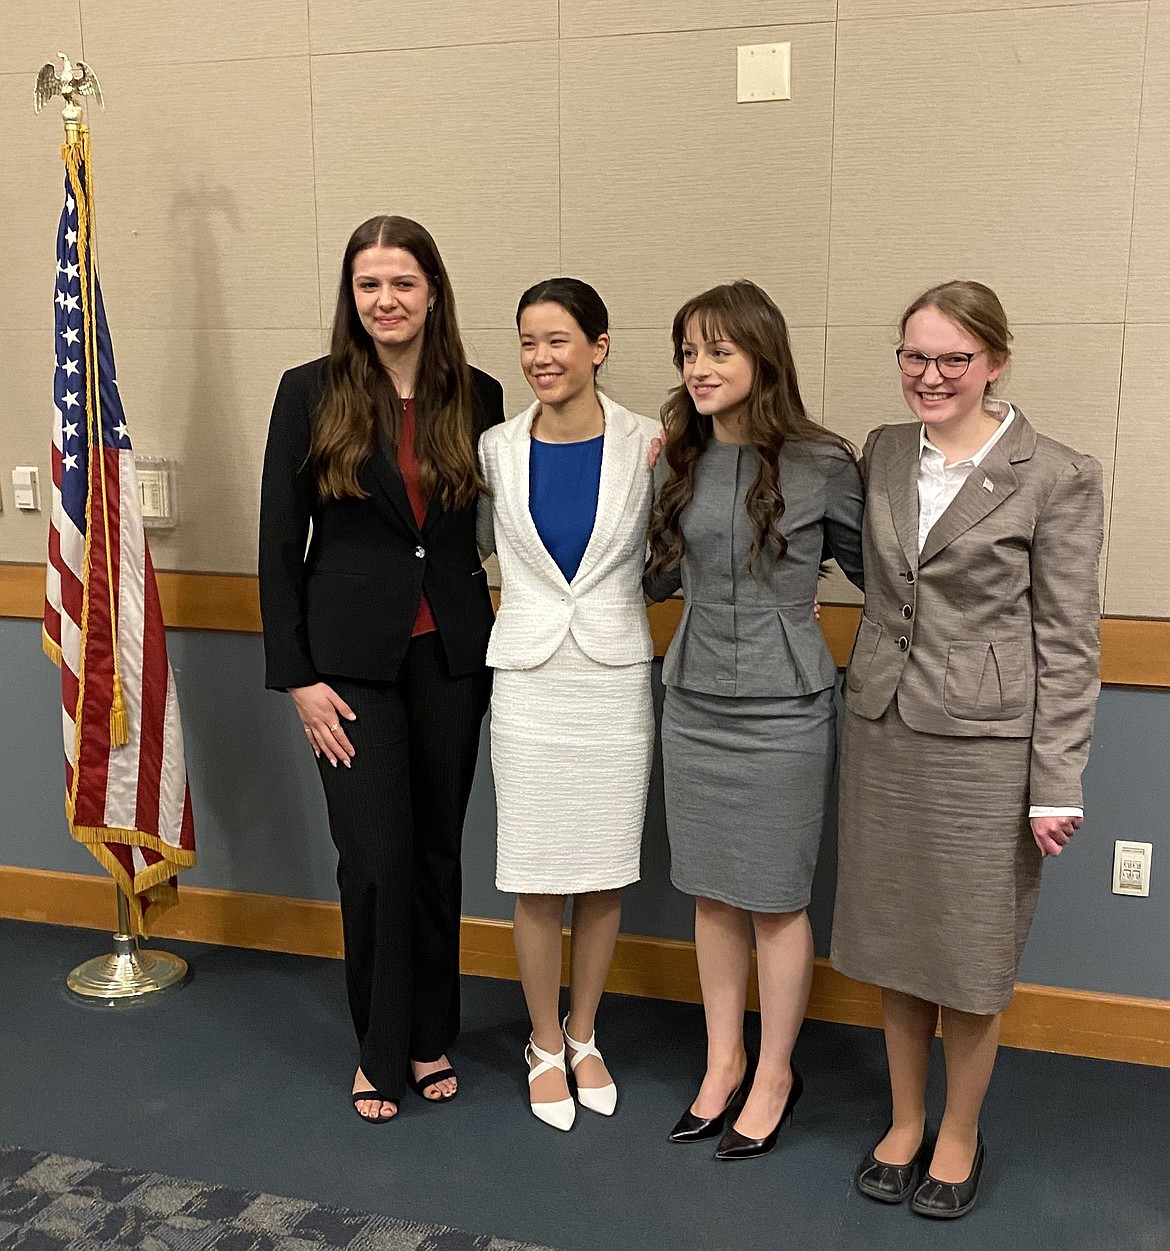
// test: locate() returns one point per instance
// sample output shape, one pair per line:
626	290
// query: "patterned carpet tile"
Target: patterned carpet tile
56	1203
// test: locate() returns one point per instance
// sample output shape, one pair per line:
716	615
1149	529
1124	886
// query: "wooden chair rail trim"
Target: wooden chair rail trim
1134	651
1040	1018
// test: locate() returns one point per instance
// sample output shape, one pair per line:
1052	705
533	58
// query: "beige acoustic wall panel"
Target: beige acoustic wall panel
205	208
847	10
585	19
33	33
998	143
32	193
496	353
1064	378
375	25
1149	264
465	143
119	32
669	186
1139	539
26	431
204	400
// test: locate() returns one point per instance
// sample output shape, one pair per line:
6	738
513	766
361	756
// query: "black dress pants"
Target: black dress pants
396	817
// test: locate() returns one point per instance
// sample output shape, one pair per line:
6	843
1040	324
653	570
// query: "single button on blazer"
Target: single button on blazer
347	605
603	605
993	628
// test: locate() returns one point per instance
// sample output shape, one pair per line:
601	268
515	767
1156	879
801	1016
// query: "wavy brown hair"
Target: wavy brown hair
743	314
359	398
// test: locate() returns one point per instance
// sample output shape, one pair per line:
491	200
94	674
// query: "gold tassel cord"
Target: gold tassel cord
71	154
75	154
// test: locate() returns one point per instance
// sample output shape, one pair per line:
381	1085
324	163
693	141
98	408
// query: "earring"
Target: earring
430	308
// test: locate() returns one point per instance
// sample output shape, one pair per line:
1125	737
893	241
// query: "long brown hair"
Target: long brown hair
359	397
974	308
745	315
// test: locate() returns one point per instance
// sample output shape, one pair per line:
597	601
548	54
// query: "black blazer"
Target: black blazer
346	607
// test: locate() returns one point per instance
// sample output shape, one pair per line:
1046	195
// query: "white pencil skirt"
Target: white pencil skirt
572	742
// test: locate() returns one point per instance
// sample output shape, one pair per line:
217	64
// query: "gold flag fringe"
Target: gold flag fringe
50	648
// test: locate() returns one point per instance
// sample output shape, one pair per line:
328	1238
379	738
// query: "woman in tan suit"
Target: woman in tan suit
969	706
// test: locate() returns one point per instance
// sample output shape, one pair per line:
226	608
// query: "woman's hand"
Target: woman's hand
656	447
321	710
1052	833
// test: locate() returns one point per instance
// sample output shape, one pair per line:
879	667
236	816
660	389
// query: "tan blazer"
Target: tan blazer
993	629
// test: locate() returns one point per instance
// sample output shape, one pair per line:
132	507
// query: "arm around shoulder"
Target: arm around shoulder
485	529
844	511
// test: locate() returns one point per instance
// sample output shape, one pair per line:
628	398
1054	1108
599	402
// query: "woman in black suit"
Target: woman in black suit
379	631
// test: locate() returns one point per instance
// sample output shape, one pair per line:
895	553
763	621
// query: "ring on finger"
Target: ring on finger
335	727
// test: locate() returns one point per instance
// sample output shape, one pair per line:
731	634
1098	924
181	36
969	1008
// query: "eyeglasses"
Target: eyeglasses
949	364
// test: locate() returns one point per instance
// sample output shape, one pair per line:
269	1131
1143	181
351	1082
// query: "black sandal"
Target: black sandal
422	1084
363	1096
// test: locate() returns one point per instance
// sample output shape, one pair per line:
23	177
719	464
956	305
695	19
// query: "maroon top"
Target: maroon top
424	621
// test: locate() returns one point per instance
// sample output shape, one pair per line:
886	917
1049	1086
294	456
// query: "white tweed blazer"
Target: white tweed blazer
603	605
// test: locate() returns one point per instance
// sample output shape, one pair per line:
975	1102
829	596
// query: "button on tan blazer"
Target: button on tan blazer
993	629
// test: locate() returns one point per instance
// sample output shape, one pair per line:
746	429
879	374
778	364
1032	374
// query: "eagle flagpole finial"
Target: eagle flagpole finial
72	81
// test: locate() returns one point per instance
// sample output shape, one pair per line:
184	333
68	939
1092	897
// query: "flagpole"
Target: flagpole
128	972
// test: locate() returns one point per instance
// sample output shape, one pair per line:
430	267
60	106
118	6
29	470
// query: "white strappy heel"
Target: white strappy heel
560	1113
601	1099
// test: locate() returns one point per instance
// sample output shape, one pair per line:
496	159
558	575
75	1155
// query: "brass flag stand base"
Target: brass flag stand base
127	972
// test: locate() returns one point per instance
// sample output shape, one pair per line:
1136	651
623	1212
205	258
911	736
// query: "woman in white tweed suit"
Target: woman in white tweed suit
969	706
572	719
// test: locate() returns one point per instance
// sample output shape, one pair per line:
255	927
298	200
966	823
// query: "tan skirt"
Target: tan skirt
937	874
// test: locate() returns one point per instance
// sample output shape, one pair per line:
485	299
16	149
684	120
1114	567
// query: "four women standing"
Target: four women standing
969	697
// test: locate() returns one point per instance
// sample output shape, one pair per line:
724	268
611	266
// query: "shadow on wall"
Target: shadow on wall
202	417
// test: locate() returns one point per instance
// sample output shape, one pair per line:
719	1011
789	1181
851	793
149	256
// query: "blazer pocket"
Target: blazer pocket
987	681
865	647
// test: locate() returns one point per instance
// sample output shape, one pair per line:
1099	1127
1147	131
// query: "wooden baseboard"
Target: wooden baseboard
1040	1018
1134	651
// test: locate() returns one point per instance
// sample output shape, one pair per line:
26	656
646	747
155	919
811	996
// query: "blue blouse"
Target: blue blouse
563	482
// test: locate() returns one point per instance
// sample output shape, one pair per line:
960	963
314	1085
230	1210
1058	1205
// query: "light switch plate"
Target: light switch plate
26	488
764	72
156	492
1131	867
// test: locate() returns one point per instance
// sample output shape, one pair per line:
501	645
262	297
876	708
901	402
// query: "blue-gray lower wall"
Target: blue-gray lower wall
260	817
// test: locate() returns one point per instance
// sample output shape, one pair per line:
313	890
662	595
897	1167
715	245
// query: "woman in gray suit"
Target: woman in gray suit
970	700
753	493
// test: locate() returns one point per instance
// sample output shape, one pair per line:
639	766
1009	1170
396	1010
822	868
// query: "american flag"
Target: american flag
126	792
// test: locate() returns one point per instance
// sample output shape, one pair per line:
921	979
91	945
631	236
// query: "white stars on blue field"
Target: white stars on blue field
74	389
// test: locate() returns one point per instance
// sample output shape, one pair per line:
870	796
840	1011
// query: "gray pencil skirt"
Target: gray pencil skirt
747	783
937	871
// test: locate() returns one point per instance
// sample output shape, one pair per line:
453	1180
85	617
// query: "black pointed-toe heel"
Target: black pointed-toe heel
736	1146
947	1200
692	1128
888	1183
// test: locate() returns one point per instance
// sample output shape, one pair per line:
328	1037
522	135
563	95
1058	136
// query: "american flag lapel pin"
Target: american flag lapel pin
988	485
